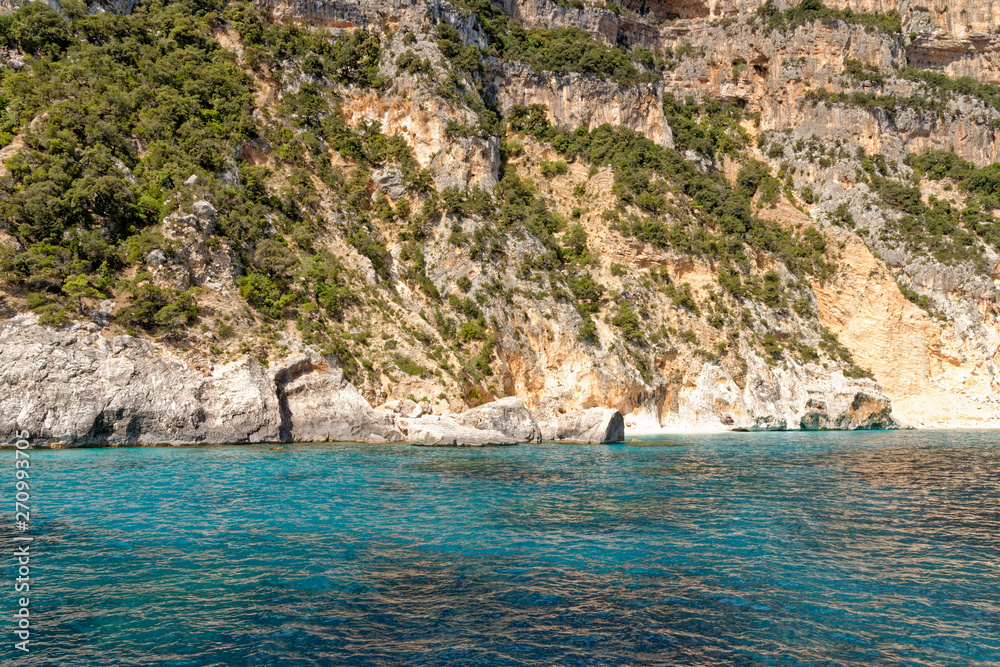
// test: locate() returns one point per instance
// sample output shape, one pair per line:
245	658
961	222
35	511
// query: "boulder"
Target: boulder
508	416
389	180
318	404
592	425
204	211
433	431
155	257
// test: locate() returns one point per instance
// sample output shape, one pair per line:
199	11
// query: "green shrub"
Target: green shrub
564	50
78	287
554	168
750	175
587	292
683	298
410	367
39	30
772	347
588	332
627	322
770	191
158	309
842	216
575	242
711	128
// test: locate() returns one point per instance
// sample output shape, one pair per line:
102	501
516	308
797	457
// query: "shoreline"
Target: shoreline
697	430
55	444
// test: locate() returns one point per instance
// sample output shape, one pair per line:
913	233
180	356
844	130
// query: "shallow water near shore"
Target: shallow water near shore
876	548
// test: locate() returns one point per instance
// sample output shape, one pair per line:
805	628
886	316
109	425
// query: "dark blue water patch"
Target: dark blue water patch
737	549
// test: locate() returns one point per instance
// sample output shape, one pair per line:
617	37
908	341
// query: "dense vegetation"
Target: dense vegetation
815	10
944	88
711	129
951	233
562	50
134	106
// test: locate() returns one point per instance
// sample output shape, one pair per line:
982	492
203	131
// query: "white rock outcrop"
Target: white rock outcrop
318	404
508	416
73	385
592	425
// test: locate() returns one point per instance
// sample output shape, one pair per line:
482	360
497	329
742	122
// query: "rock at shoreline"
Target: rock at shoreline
508	416
71	384
593	425
318	404
865	412
434	431
503	422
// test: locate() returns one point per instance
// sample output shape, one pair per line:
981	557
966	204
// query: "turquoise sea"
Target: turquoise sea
878	548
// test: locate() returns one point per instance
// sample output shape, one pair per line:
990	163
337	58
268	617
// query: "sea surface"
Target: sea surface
878	548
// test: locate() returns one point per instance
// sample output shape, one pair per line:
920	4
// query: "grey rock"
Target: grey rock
192	180
73	386
155	257
318	404
592	425
508	416
766	423
230	177
579	100
390	181
204	211
871	412
549	431
447	432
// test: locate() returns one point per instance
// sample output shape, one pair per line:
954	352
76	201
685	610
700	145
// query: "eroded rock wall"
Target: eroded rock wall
574	100
73	384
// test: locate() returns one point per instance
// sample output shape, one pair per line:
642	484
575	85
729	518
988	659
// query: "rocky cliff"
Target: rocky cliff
700	214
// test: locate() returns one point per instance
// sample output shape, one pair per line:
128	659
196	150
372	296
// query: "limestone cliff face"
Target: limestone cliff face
692	9
544	362
576	100
780	63
960	19
975	138
352	14
76	385
779	70
935	374
412	110
939	370
454	161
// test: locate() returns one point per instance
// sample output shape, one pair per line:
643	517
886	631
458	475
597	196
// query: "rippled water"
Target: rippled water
741	549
